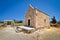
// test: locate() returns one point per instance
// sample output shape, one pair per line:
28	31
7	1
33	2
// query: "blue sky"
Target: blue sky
15	9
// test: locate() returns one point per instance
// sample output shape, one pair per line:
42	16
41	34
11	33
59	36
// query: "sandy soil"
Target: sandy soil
9	33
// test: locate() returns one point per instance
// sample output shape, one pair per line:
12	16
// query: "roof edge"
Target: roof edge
41	11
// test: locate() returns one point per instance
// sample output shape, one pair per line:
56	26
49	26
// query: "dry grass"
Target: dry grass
50	34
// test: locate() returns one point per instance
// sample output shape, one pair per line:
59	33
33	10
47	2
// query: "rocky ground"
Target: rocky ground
8	33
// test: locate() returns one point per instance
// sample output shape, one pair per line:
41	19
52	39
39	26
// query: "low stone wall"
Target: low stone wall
14	24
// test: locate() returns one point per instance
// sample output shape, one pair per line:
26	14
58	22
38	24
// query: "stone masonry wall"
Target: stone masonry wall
42	20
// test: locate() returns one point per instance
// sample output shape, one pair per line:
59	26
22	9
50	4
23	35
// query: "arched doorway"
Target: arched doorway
28	22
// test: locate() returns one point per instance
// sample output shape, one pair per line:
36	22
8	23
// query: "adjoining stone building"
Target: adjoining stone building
36	18
8	22
12	23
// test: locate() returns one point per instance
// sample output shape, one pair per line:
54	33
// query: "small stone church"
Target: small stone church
33	18
36	18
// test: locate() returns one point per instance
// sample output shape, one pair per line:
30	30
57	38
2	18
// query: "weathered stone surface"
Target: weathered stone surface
37	18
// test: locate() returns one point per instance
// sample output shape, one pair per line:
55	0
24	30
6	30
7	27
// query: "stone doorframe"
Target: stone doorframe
29	22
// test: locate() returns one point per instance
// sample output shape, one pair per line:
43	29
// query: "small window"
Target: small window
44	20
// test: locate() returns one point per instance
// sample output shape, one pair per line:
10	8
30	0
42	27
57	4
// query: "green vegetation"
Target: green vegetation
1	22
54	21
58	22
18	21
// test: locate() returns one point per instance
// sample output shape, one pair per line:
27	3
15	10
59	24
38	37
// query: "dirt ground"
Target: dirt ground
8	33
